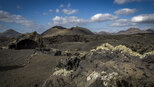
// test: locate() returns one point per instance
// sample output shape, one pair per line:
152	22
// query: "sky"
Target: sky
96	15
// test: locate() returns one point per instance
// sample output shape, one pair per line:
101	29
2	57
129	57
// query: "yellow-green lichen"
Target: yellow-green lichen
93	76
149	53
122	49
105	46
63	72
125	49
107	78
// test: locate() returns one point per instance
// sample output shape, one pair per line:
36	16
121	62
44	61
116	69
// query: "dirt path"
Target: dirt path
32	75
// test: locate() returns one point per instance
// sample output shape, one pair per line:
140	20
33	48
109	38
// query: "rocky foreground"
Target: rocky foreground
104	66
77	61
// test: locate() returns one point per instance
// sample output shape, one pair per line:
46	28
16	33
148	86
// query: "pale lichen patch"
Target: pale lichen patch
148	53
93	76
107	78
122	49
105	46
63	72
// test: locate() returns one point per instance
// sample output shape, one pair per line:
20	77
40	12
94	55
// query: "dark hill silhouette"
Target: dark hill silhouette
82	30
10	33
131	31
128	31
135	31
103	33
58	30
150	30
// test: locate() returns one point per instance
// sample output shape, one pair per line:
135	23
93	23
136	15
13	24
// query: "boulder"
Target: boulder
27	41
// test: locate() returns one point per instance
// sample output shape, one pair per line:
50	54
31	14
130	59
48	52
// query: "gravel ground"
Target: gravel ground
31	75
14	57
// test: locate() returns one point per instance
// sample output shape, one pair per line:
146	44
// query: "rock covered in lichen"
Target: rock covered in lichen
105	66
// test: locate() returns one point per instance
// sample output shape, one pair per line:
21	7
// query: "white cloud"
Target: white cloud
57	10
145	18
124	1
67	21
47	13
7	17
50	10
102	17
122	23
70	11
61	6
73	20
69	5
125	11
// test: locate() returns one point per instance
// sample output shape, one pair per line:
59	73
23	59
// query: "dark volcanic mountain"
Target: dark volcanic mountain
81	30
132	31
10	33
58	30
135	31
103	33
150	31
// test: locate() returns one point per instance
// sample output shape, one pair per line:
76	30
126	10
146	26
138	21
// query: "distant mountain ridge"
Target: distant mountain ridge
150	30
58	30
10	33
128	31
103	33
135	31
